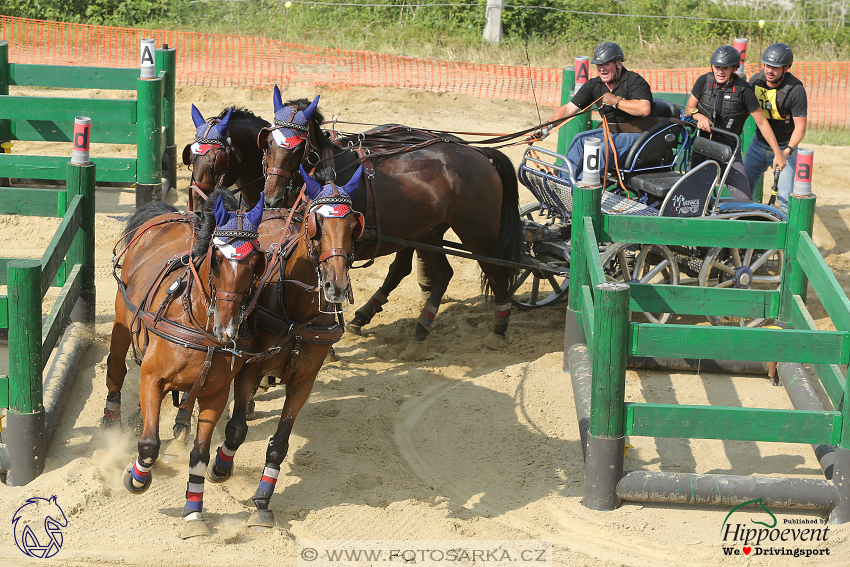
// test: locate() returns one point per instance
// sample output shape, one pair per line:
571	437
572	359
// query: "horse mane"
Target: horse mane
324	176
242	114
142	215
317	120
206	226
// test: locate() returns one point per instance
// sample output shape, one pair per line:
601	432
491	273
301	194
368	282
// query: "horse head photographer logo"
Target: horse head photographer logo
38	527
771	538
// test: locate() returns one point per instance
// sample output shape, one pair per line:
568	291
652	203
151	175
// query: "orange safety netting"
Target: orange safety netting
218	60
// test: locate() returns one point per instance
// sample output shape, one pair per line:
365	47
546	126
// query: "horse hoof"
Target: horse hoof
354	329
114	423
213	476
331	357
416	350
261	519
495	342
130	482
195	528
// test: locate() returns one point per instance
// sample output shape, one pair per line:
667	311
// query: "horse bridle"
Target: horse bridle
267	171
223	152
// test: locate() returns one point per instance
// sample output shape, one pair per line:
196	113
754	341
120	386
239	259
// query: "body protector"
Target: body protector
722	105
772	101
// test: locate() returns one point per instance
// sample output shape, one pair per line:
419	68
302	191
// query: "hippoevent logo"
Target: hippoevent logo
790	537
38	527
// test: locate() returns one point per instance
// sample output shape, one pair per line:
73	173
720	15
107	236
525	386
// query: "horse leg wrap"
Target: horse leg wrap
502	315
223	460
112	410
141	473
194	496
423	278
266	489
426	319
375	305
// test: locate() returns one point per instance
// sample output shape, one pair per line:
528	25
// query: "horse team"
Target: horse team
238	289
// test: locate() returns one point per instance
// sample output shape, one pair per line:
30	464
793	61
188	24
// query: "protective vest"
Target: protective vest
722	105
772	101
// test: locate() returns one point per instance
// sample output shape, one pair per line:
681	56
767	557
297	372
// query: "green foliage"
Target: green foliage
121	13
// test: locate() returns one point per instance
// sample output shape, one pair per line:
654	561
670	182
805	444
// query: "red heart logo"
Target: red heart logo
747	550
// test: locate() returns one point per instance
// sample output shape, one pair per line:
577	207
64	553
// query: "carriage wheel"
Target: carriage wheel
743	269
538	288
642	263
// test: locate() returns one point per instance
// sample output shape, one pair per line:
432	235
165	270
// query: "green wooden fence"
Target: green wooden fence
147	122
602	314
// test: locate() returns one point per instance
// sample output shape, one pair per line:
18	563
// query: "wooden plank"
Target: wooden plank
28	202
732	423
4	391
693	232
826	286
587	313
735	343
694	300
830	375
4	311
63	110
61	242
591	251
59	76
63	131
52	328
53	167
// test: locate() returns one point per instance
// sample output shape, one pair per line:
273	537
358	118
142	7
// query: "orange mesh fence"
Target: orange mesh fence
217	60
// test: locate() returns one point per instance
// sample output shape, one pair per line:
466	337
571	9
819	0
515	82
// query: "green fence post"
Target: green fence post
565	134
5	124
841	470
801	217
24	433
606	439
149	148
166	60
81	181
587	202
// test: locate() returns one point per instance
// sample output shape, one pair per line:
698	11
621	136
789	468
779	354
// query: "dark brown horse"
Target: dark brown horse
183	312
417	186
300	316
224	153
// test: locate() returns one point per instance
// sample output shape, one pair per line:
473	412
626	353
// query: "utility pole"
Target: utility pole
493	27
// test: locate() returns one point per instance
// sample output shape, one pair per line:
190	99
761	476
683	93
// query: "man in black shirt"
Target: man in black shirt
783	99
625	97
722	99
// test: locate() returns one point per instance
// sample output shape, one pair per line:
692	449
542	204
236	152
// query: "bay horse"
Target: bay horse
300	315
185	312
224	153
417	186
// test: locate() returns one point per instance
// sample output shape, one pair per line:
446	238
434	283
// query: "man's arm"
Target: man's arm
766	131
635	107
797	136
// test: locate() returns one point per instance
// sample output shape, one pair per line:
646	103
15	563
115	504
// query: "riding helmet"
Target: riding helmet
607	51
726	56
778	55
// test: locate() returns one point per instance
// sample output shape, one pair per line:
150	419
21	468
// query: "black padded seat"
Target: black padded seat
665	109
654	148
656	183
718	151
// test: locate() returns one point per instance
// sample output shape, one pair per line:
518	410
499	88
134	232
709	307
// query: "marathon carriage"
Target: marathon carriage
669	172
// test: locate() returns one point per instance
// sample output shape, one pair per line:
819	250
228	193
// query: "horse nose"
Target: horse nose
274	202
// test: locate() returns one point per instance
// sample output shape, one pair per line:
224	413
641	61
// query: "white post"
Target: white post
82	139
493	27
146	50
803	174
592	158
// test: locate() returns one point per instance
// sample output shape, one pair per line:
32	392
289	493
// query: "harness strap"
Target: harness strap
199	381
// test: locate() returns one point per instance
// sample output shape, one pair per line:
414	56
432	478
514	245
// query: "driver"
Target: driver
722	99
626	98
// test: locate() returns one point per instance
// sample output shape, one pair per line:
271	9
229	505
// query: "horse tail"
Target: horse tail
511	236
142	215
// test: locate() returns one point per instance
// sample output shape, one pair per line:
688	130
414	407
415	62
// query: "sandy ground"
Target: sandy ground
470	445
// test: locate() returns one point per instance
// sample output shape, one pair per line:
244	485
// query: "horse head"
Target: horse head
286	145
214	160
230	238
330	228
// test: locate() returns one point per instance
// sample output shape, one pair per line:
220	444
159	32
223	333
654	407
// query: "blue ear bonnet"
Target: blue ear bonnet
315	191
293	121
217	133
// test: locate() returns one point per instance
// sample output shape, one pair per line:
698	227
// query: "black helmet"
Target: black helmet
778	55
726	56
605	52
